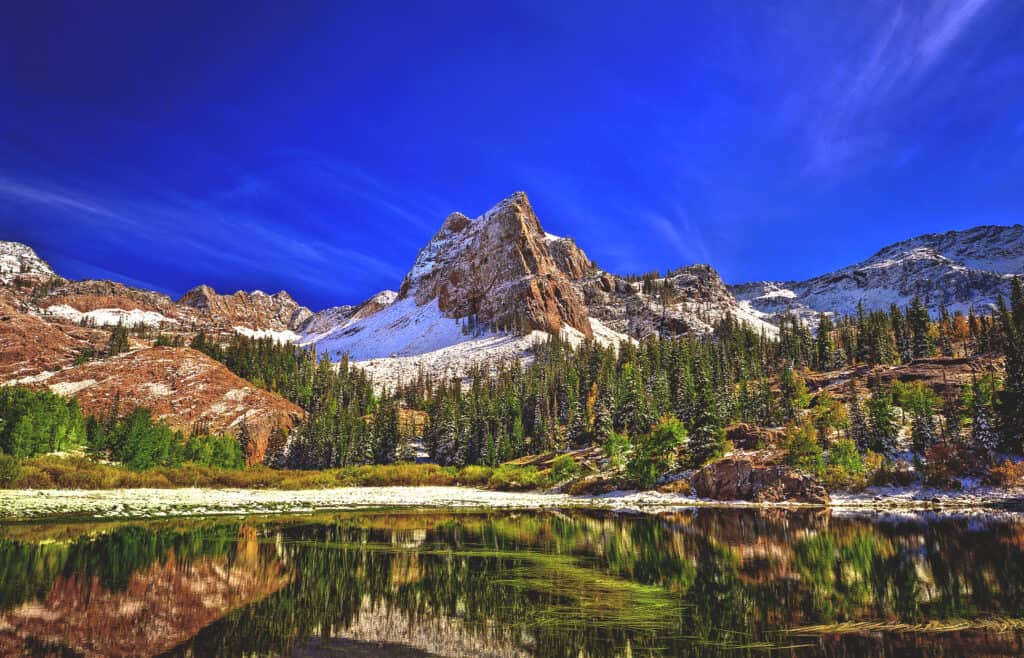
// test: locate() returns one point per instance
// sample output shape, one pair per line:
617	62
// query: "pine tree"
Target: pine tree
1011	399
982	429
825	348
578	433
920	328
860	430
707	438
923	433
118	342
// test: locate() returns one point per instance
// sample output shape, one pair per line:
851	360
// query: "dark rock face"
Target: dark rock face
740	478
751	437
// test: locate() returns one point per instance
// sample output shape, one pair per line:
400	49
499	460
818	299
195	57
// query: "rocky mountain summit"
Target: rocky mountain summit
487	288
498	269
956	269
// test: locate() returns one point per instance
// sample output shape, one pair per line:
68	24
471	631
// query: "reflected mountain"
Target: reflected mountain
703	582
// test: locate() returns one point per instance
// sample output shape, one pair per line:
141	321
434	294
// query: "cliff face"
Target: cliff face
498	268
256	310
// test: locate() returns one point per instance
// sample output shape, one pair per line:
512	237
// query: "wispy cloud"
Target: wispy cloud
684	236
217	232
51	197
902	47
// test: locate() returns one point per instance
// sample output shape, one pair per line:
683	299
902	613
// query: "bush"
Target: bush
1007	474
844	455
475	476
517	478
616	448
32	478
804	451
10	470
564	468
940	466
845	468
894	474
656	453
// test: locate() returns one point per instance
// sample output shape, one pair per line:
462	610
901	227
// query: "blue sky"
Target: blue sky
316	146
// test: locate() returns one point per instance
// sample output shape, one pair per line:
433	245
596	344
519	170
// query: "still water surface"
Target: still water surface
584	583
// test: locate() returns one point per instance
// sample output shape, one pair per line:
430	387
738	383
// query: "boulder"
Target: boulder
740	478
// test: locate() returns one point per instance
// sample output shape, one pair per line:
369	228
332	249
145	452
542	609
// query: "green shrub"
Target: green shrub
656	453
10	470
517	478
616	447
564	468
804	451
844	455
474	476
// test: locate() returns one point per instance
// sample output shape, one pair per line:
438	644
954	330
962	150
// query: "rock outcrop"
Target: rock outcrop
690	300
741	478
253	310
498	268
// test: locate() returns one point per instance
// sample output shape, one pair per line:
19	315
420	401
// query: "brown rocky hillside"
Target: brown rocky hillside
183	387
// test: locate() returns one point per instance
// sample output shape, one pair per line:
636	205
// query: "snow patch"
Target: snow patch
70	388
108	316
401	329
283	337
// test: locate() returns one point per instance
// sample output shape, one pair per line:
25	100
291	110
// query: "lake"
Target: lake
703	582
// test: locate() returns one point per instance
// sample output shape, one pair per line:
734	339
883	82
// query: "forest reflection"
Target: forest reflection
702	582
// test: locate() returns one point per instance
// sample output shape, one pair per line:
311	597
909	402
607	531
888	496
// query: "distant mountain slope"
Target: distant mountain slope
18	258
958	269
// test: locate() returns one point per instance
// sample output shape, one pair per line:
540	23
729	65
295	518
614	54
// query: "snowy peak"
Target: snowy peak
17	258
998	249
956	269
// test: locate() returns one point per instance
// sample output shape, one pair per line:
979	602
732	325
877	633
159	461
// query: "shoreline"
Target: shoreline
125	504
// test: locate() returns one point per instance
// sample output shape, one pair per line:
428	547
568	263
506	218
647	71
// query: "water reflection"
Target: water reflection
705	582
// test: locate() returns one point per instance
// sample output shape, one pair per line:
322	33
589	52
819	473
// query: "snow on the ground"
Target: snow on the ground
398	342
401	329
108	316
283	337
150	503
70	388
455	361
606	336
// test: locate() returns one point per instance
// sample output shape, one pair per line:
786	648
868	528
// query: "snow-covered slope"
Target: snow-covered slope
17	258
958	269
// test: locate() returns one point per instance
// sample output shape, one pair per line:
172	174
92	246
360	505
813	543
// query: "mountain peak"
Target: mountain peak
497	268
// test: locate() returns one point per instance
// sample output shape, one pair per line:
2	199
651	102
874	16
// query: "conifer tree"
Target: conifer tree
707	437
1011	399
920	328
